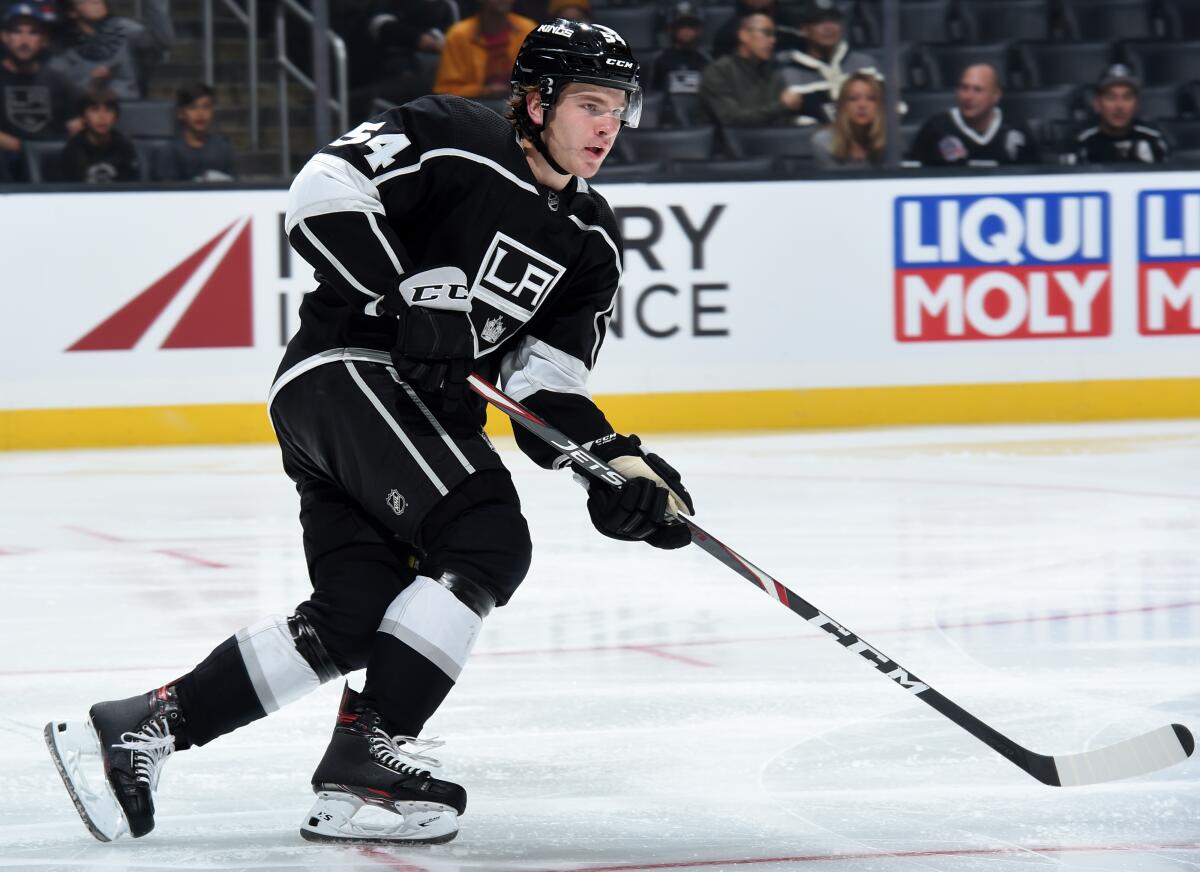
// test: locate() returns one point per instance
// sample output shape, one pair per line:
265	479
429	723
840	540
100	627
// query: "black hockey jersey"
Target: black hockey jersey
442	181
947	140
678	71
1140	144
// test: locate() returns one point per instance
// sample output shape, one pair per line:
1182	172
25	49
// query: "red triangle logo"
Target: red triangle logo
221	315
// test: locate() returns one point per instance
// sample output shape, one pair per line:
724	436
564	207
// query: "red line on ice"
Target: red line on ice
190	558
658	652
694	643
167	552
97	534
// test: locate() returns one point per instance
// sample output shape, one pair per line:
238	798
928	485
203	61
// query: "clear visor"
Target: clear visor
630	114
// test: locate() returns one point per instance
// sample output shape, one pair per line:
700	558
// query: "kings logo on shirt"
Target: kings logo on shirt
1003	266
512	282
1169	262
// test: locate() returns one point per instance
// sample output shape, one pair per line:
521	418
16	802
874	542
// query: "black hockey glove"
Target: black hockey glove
645	507
435	343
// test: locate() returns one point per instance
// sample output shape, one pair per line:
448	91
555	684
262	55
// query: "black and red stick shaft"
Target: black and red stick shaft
1139	755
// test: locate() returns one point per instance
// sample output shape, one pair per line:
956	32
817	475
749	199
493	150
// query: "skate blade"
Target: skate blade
332	819
76	753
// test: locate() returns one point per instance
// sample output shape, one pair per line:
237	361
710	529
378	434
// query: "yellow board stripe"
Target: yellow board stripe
1032	402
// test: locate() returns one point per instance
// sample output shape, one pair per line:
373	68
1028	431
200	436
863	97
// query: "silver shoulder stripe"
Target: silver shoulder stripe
459	153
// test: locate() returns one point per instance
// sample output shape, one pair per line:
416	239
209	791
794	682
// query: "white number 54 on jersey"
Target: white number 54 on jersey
383	146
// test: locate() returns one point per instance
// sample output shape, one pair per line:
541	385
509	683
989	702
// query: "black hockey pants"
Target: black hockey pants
395	498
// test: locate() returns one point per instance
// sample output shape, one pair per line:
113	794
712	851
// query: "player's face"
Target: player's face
24	41
978	93
1116	105
583	126
861	105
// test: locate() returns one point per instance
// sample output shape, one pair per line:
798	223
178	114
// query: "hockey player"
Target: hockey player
445	240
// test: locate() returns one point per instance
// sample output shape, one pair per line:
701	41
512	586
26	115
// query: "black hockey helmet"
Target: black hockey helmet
563	51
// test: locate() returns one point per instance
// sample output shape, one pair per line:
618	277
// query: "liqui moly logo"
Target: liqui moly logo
1011	266
1169	262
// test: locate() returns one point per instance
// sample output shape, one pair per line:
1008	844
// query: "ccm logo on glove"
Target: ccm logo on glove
443	287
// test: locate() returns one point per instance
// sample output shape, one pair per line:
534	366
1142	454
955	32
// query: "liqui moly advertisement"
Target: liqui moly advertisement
178	297
1003	266
1169	262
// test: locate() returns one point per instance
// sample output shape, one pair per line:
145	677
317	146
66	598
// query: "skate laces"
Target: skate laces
393	750
150	746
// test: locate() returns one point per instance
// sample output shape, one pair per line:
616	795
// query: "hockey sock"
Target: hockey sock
422	645
251	674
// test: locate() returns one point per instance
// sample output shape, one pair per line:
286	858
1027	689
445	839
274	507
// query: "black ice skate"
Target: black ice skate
367	766
110	764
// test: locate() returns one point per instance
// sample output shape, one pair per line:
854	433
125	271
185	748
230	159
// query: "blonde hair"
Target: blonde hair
843	135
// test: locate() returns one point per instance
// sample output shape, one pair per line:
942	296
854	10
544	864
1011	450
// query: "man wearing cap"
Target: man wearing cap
35	103
679	67
1120	136
816	71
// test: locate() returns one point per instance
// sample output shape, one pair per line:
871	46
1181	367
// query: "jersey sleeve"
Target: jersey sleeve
924	148
343	204
548	369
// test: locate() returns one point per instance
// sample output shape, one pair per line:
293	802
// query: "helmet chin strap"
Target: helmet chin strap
534	134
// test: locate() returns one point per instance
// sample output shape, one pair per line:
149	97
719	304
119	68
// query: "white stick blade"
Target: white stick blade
1155	750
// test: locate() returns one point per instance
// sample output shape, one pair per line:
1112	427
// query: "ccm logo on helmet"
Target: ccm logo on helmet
617	62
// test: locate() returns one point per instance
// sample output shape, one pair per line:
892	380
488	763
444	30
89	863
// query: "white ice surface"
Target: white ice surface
642	710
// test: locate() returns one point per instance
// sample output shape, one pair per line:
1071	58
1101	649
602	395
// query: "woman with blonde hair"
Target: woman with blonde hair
857	135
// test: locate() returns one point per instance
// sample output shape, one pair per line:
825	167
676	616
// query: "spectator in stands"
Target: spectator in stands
816	71
973	133
478	57
392	47
35	102
856	138
99	153
196	154
1119	135
107	49
787	37
573	10
679	67
745	89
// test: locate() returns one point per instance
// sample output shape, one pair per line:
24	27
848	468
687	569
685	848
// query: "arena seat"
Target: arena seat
985	20
41	160
692	143
638	26
723	170
1038	109
639	171
1063	63
147	118
777	142
948	61
1166	63
1111	19
1182	135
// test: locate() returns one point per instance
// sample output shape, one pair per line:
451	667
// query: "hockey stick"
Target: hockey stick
1140	755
